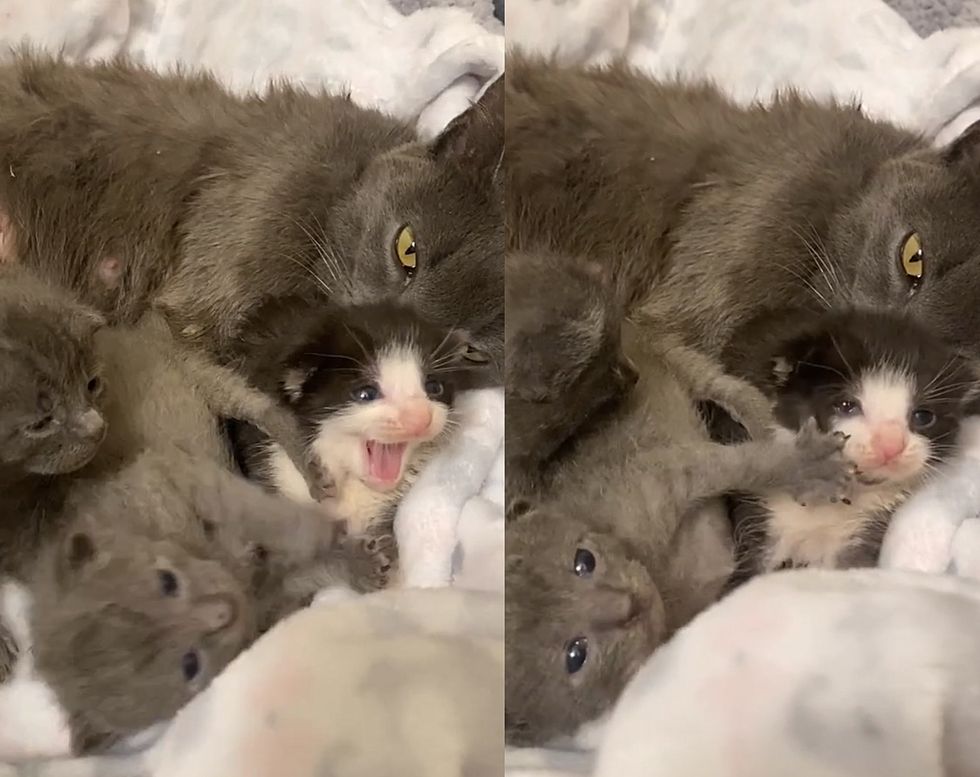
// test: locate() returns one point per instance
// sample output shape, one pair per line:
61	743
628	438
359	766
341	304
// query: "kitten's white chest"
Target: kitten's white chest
816	534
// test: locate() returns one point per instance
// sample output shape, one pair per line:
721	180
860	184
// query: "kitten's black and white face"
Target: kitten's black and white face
140	626
897	392
911	241
426	225
374	383
50	389
582	614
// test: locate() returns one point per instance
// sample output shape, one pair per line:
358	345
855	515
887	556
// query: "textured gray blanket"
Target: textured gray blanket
928	16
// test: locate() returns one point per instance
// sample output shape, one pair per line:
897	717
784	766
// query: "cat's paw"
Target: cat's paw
372	561
321	482
820	473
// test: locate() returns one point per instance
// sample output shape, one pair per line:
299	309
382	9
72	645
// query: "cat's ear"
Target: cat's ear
78	551
782	368
85	322
294	381
966	148
474	140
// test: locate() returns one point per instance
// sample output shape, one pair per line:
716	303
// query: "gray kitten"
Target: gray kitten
625	537
164	572
716	218
136	188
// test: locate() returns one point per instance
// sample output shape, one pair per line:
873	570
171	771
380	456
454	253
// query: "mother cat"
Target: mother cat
715	218
135	188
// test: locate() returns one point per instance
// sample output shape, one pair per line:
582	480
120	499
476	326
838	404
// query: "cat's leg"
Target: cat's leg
810	466
706	380
231	396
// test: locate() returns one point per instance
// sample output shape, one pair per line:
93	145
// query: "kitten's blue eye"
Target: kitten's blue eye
190	665
923	419
366	393
847	407
584	562
434	388
168	582
576	653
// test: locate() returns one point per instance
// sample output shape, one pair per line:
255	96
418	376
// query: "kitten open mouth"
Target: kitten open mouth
384	462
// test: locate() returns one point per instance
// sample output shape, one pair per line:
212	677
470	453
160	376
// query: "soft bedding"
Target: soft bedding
450	526
850	49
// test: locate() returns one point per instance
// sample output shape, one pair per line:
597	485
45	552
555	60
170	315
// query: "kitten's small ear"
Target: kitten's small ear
965	148
782	368
294	381
85	322
474	140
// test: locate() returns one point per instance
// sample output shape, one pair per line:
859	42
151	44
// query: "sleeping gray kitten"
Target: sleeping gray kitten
135	188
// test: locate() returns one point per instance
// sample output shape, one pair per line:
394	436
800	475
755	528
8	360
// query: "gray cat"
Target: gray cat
714	218
134	188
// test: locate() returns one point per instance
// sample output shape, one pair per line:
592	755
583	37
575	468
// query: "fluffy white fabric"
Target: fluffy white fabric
427	66
823	674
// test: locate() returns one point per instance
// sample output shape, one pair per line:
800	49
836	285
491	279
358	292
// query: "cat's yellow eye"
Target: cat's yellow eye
405	251
913	258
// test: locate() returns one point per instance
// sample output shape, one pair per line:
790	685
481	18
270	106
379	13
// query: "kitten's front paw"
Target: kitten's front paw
372	561
819	472
322	484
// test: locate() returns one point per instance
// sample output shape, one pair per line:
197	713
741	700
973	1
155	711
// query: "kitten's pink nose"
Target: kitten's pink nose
216	612
888	441
415	418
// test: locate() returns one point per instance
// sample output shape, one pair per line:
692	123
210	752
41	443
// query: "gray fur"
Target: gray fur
135	188
713	217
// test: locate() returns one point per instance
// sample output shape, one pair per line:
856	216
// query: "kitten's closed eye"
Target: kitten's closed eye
41	426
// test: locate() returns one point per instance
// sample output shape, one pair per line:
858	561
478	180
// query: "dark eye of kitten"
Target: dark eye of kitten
584	562
366	393
912	259
576	653
847	407
190	665
434	388
95	385
923	419
168	582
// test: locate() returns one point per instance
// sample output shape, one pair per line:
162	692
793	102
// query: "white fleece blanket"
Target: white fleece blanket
426	65
844	48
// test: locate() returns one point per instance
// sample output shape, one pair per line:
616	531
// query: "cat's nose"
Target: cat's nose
616	607
216	612
888	441
91	424
415	418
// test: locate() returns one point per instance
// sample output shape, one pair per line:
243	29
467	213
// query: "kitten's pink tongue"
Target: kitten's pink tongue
385	461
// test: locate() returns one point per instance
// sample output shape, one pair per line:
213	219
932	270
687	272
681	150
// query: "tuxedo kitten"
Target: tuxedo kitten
136	188
374	388
899	394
